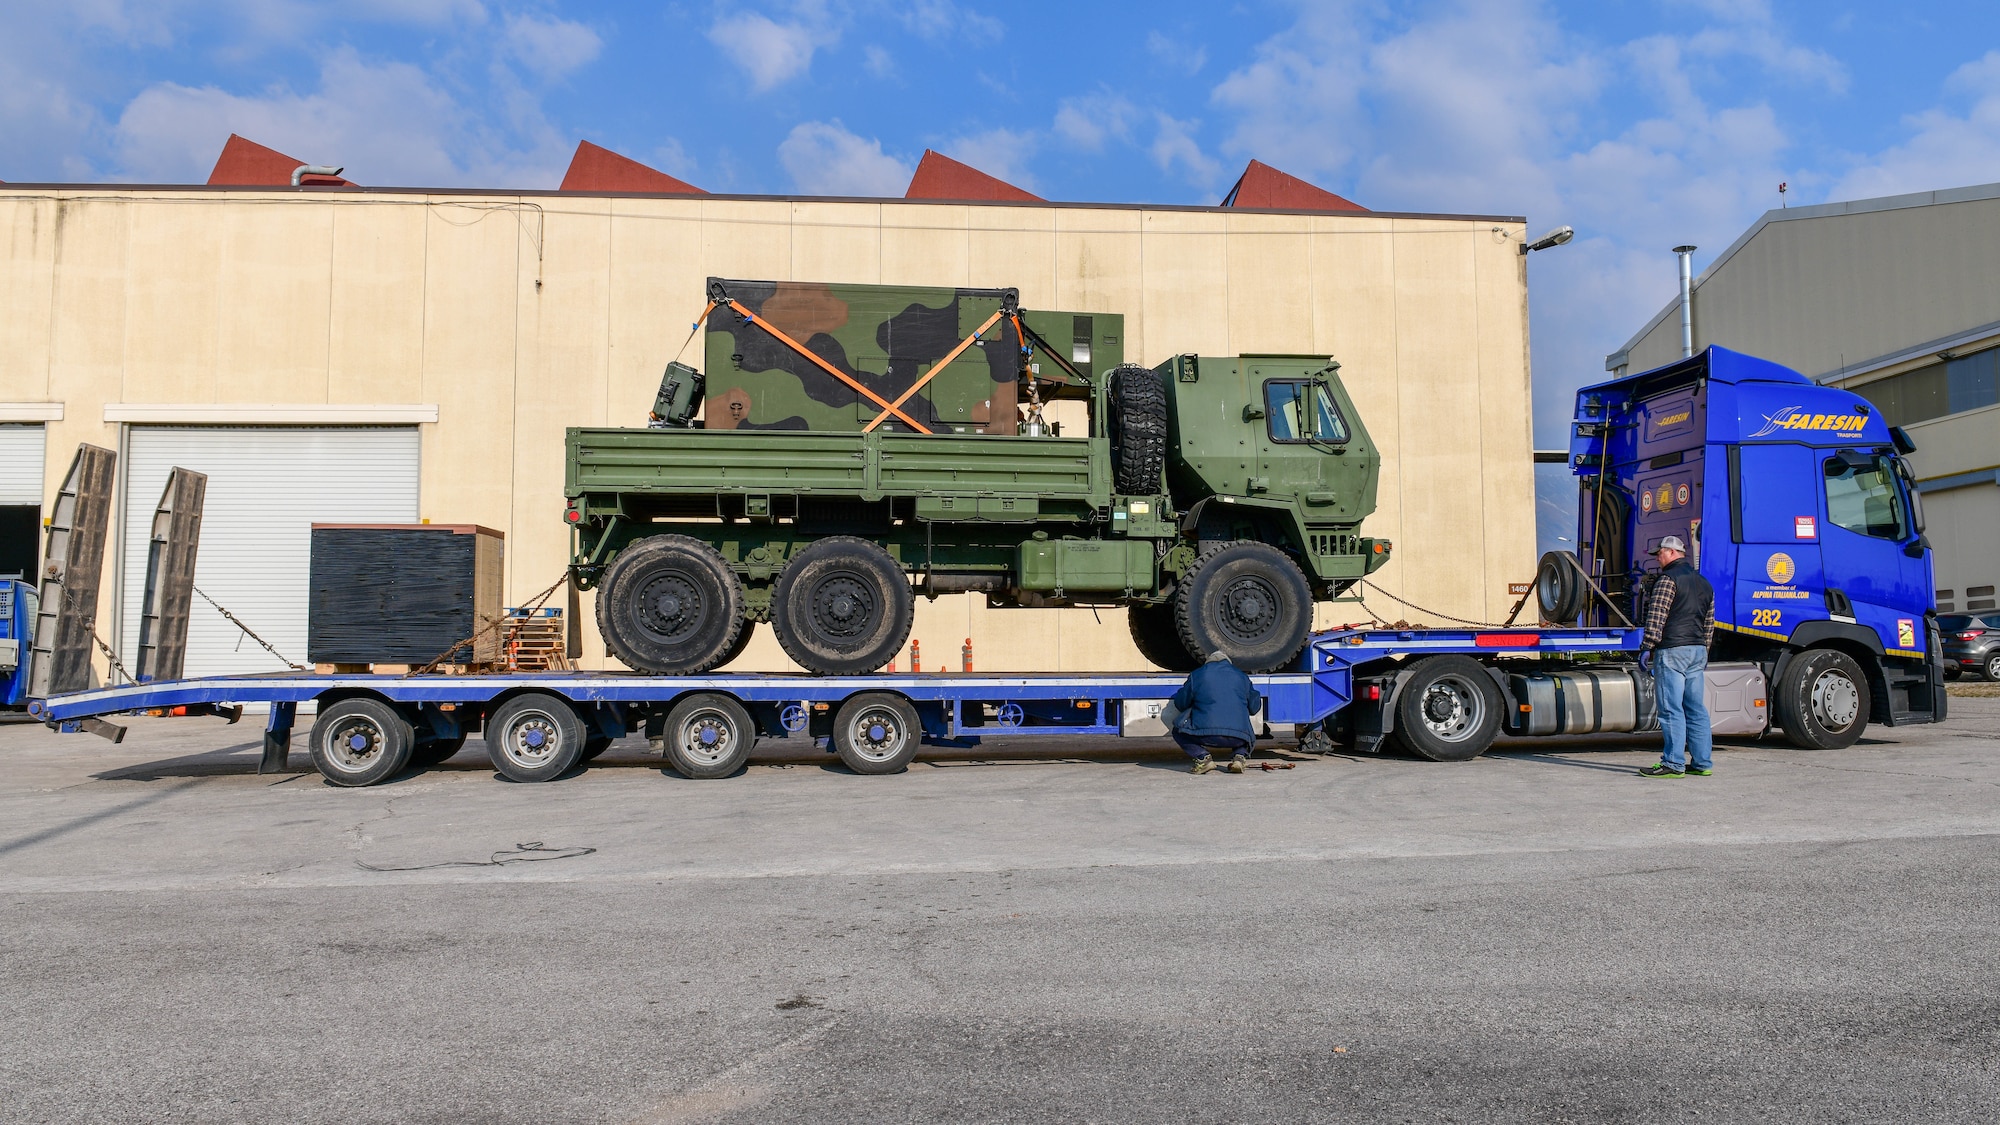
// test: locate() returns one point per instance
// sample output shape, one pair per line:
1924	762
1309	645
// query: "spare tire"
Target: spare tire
1559	589
1138	428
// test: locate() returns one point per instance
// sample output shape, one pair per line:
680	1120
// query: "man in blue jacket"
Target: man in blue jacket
1212	712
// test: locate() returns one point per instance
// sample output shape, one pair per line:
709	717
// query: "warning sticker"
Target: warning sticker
1906	632
1805	527
1681	495
1646	500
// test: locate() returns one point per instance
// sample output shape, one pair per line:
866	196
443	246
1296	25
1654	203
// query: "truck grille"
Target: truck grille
1334	543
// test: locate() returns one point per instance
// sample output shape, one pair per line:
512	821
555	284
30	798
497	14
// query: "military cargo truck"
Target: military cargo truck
851	457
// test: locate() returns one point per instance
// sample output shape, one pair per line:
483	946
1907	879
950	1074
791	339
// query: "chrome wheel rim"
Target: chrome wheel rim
355	744
1836	700
1453	708
708	736
876	735
532	740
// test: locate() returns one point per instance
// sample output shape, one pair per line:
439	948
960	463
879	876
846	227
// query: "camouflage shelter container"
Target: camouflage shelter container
891	341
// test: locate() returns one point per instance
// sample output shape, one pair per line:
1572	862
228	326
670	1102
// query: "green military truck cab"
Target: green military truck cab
1218	499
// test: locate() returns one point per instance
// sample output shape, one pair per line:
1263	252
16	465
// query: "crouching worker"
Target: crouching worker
1212	712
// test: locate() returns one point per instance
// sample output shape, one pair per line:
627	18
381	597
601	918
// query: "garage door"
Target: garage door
20	498
266	487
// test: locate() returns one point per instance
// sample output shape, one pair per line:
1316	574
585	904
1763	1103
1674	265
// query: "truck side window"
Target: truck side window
1301	410
1861	495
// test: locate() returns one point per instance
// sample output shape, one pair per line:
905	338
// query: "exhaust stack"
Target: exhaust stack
1686	254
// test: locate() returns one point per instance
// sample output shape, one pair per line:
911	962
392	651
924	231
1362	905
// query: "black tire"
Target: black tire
431	751
842	607
536	737
670	605
361	742
1821	700
1559	588
1158	637
708	735
743	638
876	732
1138	428
1247	600
1449	709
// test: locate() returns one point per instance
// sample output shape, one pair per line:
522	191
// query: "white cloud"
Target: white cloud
824	158
771	53
1174	146
879	62
1002	153
939	19
1946	148
1087	122
387	123
551	48
1186	59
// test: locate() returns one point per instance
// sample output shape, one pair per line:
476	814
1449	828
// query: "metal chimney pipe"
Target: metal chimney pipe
1686	254
305	170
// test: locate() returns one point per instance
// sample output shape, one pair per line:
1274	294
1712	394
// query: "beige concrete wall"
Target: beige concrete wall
519	315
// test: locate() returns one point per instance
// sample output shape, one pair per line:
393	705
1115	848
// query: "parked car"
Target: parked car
1971	643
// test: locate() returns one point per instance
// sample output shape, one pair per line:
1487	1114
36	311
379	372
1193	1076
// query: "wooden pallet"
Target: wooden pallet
535	644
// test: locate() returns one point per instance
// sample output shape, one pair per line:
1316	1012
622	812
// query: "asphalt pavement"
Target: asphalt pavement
1078	932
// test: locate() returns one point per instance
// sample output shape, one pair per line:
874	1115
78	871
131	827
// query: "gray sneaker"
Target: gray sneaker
1203	765
1236	764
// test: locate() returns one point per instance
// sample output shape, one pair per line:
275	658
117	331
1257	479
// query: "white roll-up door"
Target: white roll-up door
267	486
21	453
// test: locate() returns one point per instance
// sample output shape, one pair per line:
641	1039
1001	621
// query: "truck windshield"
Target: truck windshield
1861	495
1302	411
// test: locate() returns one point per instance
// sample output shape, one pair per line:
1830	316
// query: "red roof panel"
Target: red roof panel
246	163
940	177
595	168
1264	186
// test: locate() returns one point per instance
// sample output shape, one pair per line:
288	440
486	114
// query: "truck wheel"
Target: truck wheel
536	737
743	638
361	742
1158	638
431	751
1138	426
670	605
842	606
1559	590
1449	710
876	732
708	735
1822	700
1248	600
593	746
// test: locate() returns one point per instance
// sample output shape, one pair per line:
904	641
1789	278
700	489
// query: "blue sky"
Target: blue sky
1642	123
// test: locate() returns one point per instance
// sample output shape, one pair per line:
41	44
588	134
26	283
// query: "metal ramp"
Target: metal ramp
163	620
72	568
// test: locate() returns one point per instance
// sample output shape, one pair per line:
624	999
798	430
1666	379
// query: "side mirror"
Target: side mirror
1917	547
1252	412
1905	445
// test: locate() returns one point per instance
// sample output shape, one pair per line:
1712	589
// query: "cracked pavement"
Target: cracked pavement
1027	931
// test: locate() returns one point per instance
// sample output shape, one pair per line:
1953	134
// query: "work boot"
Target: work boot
1236	763
1203	764
1661	770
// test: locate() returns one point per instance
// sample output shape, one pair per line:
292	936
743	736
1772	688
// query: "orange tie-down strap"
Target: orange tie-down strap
940	365
830	369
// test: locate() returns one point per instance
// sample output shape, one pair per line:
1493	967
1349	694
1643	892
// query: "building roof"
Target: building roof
598	169
940	177
1263	186
245	163
1671	310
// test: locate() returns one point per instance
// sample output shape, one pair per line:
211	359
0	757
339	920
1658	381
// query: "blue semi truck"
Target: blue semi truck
1798	505
1795	499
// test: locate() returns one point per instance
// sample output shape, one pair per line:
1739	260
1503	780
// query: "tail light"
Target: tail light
1972	636
572	514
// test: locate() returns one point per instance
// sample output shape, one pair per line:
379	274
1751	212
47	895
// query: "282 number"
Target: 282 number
1767	618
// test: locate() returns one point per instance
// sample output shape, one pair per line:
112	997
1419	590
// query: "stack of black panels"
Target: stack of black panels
402	593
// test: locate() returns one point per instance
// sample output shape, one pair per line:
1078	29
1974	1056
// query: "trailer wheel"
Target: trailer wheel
876	732
1247	600
431	751
1138	409
1822	700
842	606
708	735
593	746
536	737
1559	589
670	605
1448	710
1158	638
361	742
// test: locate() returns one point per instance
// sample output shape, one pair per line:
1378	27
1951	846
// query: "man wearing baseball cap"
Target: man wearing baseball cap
1680	625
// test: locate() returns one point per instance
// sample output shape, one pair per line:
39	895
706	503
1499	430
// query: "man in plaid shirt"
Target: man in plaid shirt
1680	624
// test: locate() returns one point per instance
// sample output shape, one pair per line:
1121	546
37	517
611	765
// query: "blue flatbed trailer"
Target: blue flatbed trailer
1450	692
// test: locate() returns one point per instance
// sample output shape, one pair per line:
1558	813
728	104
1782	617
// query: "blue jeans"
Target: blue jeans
1678	677
1198	748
